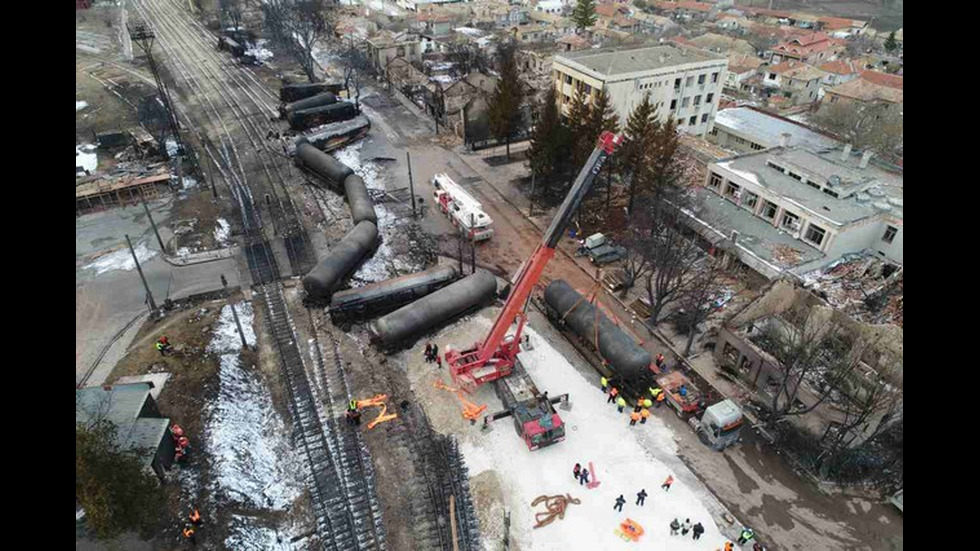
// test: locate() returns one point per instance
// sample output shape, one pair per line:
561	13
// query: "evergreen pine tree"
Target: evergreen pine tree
505	105
584	14
890	42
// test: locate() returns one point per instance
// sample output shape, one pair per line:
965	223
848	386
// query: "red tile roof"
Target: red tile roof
840	67
884	79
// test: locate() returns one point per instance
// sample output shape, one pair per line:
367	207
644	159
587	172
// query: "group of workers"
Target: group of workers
191	527
163	346
182	445
641	410
432	354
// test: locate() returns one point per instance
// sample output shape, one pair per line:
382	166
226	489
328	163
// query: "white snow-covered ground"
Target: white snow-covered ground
626	459
222	232
252	461
245	534
85	157
259	52
121	259
79	105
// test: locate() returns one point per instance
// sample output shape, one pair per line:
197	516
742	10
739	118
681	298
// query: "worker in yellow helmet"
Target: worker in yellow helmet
620	404
605	384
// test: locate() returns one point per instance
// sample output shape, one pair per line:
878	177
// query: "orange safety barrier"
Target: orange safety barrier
471	411
379	400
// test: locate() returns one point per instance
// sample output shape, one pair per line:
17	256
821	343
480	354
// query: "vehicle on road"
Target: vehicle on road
463	210
720	426
600	250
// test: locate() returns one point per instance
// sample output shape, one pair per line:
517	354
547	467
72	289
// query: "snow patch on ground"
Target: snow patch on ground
259	52
253	464
184	251
171	147
245	534
222	232
85	157
190	182
624	460
121	259
79	105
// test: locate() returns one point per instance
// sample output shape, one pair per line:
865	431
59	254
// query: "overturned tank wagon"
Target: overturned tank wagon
330	170
230	45
343	258
338	134
295	92
319	100
359	200
315	116
566	307
382	297
407	323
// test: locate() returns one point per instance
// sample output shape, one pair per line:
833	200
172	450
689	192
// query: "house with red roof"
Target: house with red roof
811	48
839	71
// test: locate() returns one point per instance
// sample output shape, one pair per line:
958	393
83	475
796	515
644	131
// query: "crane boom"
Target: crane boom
494	357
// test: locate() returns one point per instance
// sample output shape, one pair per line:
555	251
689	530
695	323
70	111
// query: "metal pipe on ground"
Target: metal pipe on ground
432	311
343	258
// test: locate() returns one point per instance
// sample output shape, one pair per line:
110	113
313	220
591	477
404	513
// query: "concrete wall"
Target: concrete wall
626	91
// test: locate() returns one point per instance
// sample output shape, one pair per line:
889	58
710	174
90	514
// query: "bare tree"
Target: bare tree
673	257
231	13
877	126
696	301
812	350
466	58
297	25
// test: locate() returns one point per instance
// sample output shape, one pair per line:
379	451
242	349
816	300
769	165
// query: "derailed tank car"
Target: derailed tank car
325	114
382	297
628	362
228	44
319	100
402	326
343	259
359	200
330	170
295	92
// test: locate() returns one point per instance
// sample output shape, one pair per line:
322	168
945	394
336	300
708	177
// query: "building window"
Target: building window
714	77
776	167
701	79
568	79
401	51
757	146
795	176
690	81
693	120
890	234
790	221
833	194
709	98
714	181
697	99
673	104
815	234
686	102
769	211
677	84
814	185
733	190
772	76
680	121
704	117
749	200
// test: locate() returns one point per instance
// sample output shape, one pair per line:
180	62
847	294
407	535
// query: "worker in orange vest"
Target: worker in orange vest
613	392
195	517
667	482
661	397
644	413
634	417
189	534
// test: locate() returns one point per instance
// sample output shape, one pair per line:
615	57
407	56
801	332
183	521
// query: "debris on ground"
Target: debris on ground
865	287
555	508
786	256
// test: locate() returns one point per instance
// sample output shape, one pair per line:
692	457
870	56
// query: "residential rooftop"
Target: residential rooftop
622	62
122	405
769	128
865	90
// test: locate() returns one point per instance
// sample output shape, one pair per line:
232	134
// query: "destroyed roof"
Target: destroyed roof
722	44
865	90
768	128
863	286
624	62
863	193
121	405
796	70
741	63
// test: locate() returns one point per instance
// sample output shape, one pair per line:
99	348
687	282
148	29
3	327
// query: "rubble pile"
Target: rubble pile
865	287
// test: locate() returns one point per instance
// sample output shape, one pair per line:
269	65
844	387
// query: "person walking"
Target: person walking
644	414
729	546
435	354
428	352
605	384
660	361
669	480
438	362
674	527
647	403
698	529
620	404
189	534
613	392
661	397
577	471
584	479
746	535
195	517
685	526
619	503
641	497
634	418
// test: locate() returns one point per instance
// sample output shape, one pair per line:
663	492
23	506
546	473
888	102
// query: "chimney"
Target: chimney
846	153
865	158
784	139
734	238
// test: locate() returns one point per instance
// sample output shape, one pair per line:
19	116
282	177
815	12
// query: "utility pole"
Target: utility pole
411	183
141	33
461	251
146	209
530	209
234	314
149	295
472	244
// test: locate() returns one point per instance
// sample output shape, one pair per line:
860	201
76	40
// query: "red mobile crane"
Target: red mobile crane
496	356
